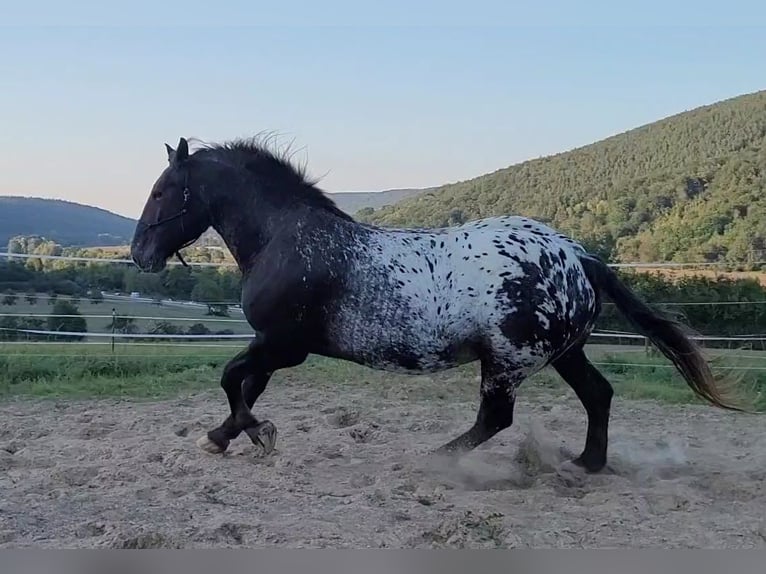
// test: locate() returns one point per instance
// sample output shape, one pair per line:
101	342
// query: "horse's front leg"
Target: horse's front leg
217	440
243	380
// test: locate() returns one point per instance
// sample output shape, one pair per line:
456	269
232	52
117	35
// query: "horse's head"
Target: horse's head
174	215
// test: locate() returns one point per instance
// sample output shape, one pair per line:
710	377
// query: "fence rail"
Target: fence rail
205	319
634	265
128	335
245	336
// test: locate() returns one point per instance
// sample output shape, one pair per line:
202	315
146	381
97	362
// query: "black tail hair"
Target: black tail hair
666	334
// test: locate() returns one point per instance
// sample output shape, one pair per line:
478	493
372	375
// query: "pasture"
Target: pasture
98	450
179	314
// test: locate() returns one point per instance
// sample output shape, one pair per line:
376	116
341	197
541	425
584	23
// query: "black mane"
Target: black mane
254	155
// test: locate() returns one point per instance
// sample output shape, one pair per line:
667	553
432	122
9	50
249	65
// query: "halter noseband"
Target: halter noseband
180	214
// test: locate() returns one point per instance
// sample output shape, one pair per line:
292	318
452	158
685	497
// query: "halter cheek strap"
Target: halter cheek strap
180	214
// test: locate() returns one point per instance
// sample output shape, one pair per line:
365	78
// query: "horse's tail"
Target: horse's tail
666	334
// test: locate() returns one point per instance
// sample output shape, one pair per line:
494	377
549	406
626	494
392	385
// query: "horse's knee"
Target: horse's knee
230	377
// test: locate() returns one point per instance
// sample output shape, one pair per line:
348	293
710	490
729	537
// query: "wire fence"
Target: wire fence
183	339
12	256
243	336
114	335
235	305
629	265
208	340
129	317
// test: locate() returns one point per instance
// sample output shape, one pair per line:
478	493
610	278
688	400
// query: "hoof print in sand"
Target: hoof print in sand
343	418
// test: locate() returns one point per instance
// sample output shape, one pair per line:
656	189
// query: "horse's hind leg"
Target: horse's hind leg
498	397
595	393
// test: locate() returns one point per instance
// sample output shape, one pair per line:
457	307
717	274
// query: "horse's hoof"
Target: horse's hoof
570	467
589	466
570	473
444	454
208	445
264	435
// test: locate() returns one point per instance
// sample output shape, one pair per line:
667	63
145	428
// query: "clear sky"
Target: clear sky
374	95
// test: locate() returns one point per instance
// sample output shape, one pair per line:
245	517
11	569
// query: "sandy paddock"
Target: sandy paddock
351	470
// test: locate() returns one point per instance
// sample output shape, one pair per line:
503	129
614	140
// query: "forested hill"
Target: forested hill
689	187
72	224
365	201
64	222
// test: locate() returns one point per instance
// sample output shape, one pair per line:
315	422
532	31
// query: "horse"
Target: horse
507	291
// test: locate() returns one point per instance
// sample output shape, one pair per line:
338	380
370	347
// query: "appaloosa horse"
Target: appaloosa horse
509	292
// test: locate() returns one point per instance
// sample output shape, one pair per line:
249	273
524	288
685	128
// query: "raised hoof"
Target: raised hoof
264	435
208	445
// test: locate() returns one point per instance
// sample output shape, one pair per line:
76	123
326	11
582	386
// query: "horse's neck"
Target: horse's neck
245	235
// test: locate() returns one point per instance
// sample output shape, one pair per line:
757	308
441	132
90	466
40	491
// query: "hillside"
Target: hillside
64	222
689	187
75	225
353	202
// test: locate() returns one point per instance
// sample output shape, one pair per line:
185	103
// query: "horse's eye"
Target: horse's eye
157	194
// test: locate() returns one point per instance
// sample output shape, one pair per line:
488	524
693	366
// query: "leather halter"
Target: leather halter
178	215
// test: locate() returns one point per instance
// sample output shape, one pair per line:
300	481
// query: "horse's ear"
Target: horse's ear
182	152
171	153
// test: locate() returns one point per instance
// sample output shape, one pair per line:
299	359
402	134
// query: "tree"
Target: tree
16	245
179	282
208	291
198	329
31	298
66	317
456	217
124	325
8	329
365	212
12	329
165	328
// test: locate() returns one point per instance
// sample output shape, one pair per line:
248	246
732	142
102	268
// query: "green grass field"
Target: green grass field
151	371
181	316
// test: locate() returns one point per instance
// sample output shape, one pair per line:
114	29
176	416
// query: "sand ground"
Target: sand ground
350	470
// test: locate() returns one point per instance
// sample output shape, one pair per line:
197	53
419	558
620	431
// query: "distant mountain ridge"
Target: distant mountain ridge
72	224
68	223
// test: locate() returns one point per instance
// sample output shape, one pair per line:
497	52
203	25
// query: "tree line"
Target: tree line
85	279
701	296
